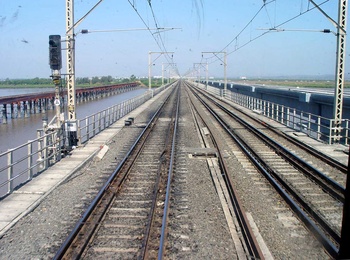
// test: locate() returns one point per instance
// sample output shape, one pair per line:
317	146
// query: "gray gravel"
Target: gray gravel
40	234
197	230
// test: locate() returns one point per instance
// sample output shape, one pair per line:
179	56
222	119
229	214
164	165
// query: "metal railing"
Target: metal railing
95	123
19	165
315	126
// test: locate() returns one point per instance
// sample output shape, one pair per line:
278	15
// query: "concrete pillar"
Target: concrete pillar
49	104
13	114
43	105
32	107
4	113
35	106
25	108
19	109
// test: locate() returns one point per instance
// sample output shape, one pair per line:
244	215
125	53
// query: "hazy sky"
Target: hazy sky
206	26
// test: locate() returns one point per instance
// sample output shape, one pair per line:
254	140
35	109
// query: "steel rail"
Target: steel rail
145	254
99	197
332	187
329	185
247	233
170	175
324	157
283	189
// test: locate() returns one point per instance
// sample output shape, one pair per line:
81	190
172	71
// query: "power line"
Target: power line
273	29
159	35
159	41
244	28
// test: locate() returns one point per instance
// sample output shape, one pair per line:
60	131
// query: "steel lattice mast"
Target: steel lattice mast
340	68
70	45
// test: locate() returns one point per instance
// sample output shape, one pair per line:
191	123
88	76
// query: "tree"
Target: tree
132	77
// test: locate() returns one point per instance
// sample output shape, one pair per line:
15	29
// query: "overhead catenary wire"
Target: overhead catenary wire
273	29
169	59
155	35
235	39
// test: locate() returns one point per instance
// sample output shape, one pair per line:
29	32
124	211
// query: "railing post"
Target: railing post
29	164
109	115
114	114
93	125
264	108
10	171
330	132
46	159
87	126
117	112
318	128
78	133
99	122
294	115
282	115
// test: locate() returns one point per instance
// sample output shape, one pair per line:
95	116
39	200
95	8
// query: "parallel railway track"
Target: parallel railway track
249	247
123	221
314	197
129	217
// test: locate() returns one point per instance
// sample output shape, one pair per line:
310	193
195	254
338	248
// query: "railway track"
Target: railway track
131	216
313	196
128	218
245	242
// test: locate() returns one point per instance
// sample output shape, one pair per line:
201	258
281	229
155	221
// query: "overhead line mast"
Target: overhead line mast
70	45
340	67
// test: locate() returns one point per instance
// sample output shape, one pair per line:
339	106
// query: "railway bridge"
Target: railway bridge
185	173
24	105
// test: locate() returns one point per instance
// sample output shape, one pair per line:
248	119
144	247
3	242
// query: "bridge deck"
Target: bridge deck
25	199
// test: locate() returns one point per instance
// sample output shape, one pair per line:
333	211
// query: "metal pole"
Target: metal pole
149	70
169	76
340	69
206	75
199	74
70	44
162	74
225	73
344	249
224	63
57	81
150	65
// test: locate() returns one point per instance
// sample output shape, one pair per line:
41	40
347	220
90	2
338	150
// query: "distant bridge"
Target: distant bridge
23	105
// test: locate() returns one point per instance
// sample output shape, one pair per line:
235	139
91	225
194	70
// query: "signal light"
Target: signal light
55	55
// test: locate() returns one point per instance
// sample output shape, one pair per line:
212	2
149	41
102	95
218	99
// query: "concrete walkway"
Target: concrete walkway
28	197
24	200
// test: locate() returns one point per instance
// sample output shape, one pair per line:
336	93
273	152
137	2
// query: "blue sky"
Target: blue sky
206	26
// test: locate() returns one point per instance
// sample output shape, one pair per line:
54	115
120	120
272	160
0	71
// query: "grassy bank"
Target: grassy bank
155	83
296	83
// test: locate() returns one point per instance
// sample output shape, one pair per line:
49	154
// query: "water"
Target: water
18	131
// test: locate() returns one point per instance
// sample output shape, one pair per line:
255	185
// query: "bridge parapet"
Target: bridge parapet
307	112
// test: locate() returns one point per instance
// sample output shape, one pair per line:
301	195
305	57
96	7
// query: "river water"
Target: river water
18	131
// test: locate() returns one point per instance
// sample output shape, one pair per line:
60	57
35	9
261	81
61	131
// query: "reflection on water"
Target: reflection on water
19	131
